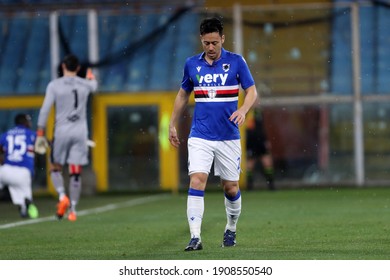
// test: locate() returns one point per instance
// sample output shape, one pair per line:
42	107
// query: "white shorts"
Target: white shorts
226	156
18	180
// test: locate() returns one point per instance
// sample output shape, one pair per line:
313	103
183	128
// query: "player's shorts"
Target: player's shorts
226	156
256	141
70	149
256	146
18	180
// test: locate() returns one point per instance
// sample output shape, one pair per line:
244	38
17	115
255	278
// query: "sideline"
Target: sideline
102	209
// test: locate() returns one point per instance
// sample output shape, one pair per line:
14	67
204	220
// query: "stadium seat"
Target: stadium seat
36	50
13	53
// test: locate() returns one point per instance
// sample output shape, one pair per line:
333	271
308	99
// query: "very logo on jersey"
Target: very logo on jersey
219	79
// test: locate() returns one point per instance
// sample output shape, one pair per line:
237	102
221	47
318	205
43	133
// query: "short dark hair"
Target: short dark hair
71	62
22	119
210	25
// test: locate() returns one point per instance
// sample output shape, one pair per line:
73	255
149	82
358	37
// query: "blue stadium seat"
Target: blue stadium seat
13	53
79	38
185	47
36	50
162	55
44	75
75	31
117	33
156	65
383	50
3	23
138	69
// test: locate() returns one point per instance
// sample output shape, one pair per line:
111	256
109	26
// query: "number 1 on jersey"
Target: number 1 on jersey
76	98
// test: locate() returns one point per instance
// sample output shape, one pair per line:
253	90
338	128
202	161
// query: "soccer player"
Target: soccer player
17	147
69	94
258	149
215	76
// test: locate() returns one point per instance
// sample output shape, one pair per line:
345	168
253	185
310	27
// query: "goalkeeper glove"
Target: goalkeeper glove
41	143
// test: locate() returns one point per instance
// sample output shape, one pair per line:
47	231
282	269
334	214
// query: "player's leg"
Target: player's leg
200	158
57	179
9	178
250	167
26	187
268	170
19	184
195	209
227	166
251	148
265	157
58	182
74	189
77	157
233	211
57	157
17	198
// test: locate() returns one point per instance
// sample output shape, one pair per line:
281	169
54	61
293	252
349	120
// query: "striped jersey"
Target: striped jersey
70	96
18	146
216	88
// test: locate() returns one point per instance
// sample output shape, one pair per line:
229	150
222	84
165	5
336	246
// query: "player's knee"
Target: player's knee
231	188
198	181
75	171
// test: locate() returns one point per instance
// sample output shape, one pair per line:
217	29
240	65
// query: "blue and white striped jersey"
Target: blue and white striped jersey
18	147
216	88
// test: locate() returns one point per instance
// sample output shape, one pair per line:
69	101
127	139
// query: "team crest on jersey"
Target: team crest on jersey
225	67
212	93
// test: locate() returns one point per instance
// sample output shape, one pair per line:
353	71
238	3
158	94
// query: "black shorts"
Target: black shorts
256	145
256	141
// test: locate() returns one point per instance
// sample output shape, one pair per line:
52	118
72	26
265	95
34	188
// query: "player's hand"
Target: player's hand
41	145
237	117
91	143
90	75
173	137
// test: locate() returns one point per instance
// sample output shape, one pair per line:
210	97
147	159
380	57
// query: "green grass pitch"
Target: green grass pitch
305	224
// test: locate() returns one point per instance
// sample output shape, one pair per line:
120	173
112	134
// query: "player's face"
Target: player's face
212	45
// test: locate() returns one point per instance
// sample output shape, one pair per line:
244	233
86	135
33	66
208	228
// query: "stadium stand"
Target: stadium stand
13	53
138	51
34	58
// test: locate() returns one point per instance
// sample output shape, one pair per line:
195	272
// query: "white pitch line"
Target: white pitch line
102	209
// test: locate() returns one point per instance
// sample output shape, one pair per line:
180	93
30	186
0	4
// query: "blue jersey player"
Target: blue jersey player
17	147
215	76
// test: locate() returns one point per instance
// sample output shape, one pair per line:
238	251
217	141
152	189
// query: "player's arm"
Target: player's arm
238	117
90	76
41	143
46	106
180	104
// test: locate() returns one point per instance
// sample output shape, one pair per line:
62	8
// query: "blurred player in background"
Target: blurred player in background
258	149
17	148
69	94
215	76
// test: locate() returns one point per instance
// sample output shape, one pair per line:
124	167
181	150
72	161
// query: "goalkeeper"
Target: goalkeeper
69	94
